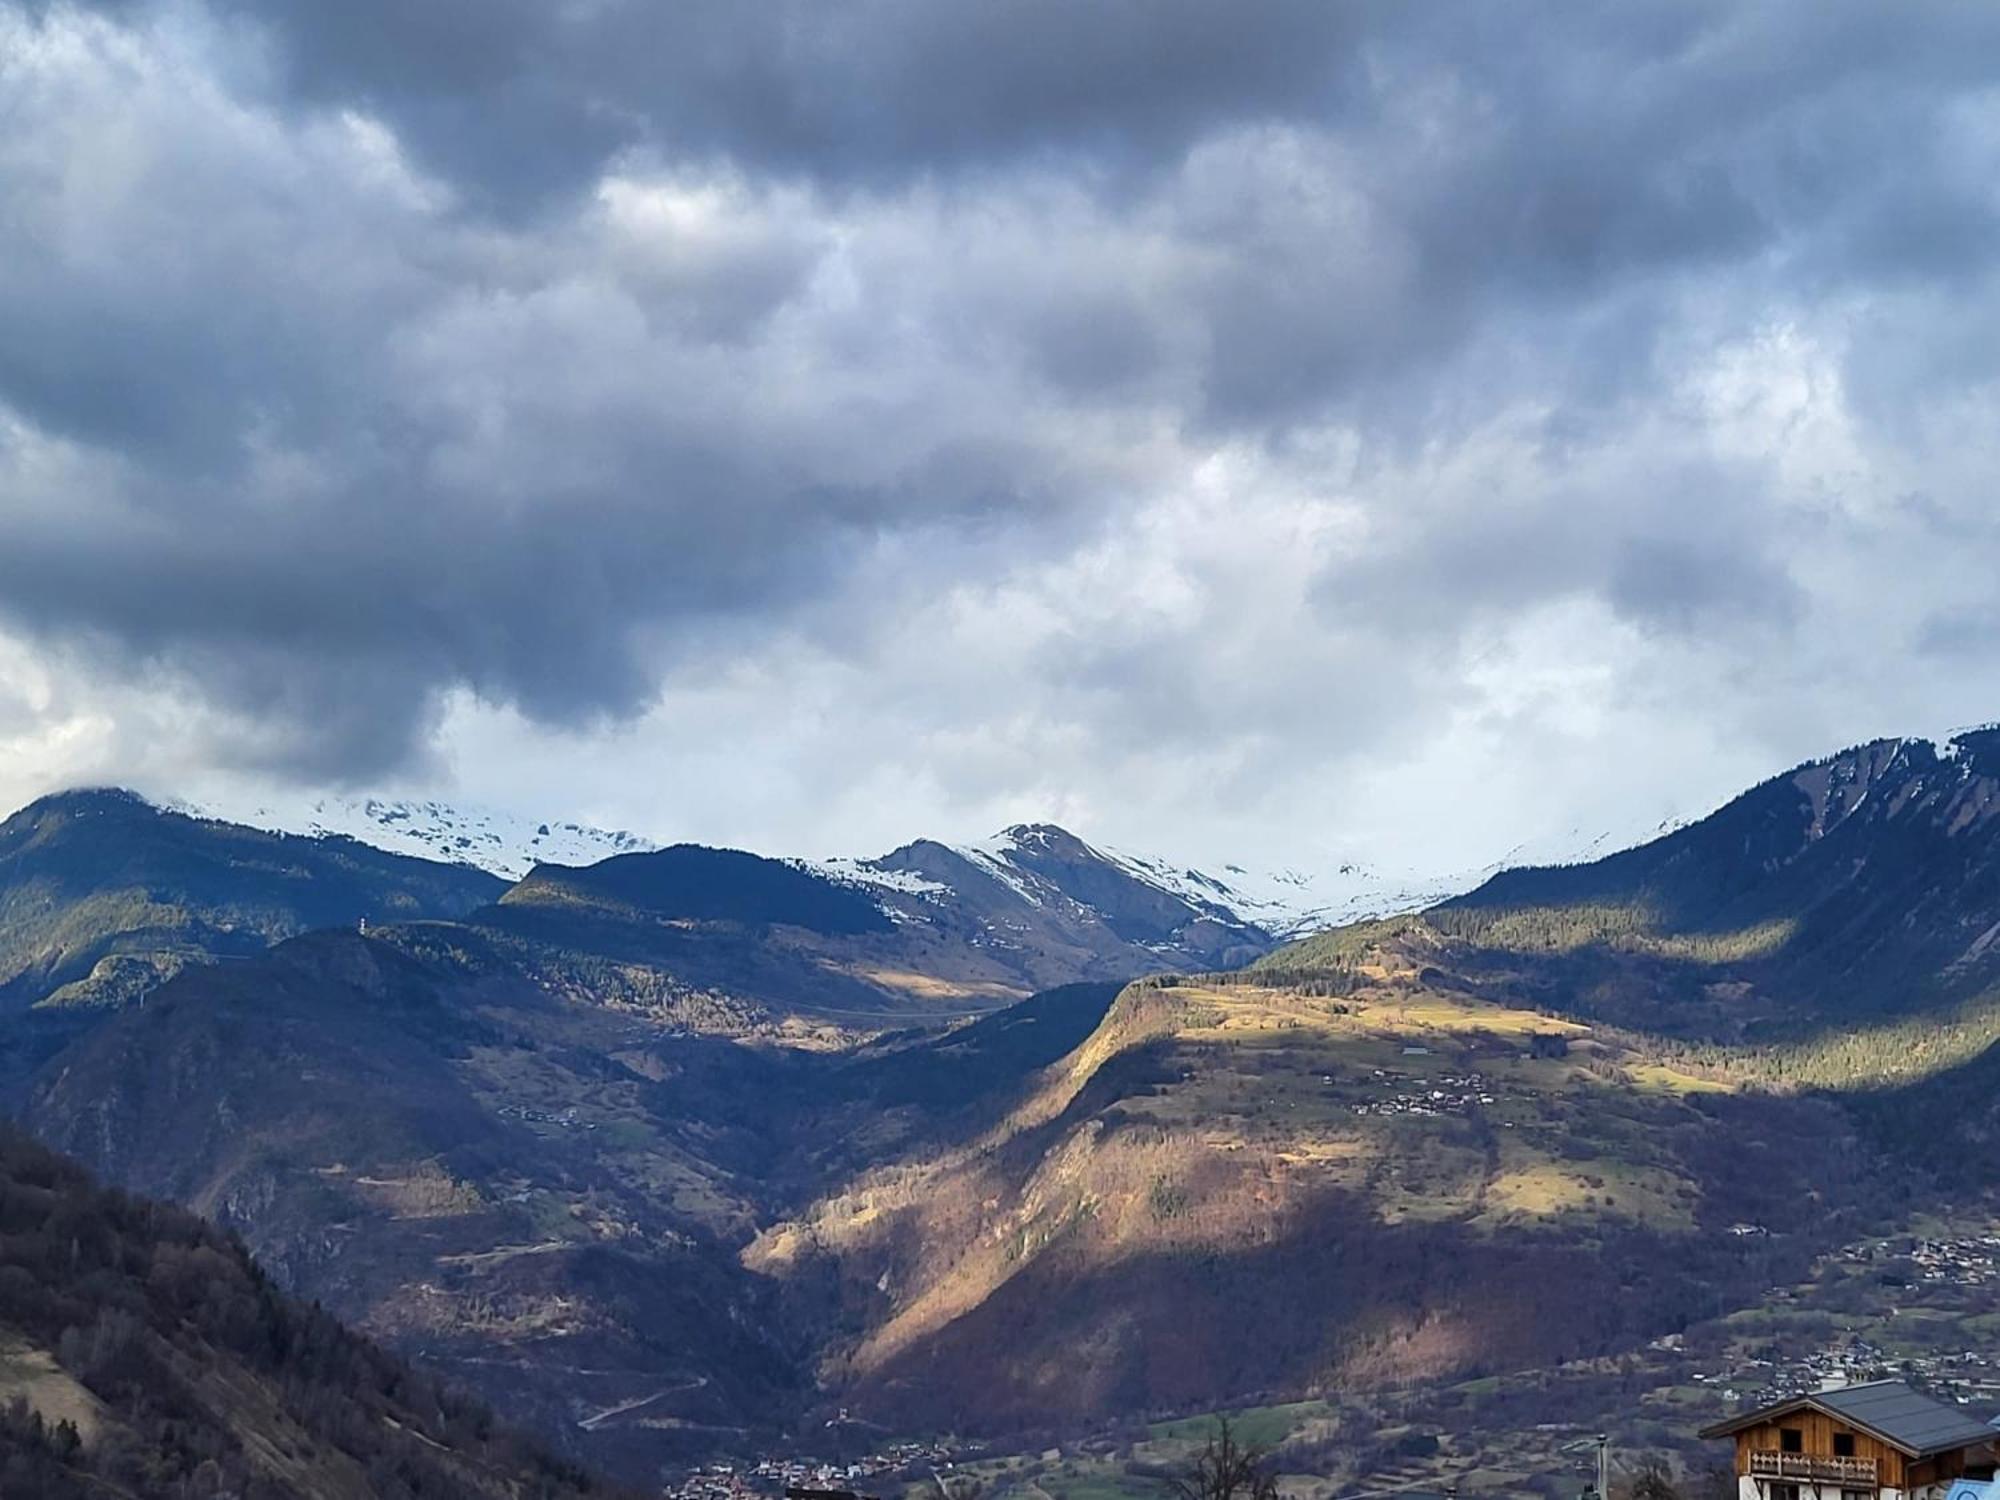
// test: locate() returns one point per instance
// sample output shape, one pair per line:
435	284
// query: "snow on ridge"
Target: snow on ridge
503	844
844	870
991	856
1285	902
1289	902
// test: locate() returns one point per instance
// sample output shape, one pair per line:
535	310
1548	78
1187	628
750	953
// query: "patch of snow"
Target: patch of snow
846	871
503	843
1289	902
993	857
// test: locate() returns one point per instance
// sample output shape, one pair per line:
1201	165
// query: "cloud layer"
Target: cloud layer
1280	427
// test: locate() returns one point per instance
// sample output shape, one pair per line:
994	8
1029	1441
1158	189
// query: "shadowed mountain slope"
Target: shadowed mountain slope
1856	887
143	1354
692	883
1232	1191
507	1187
533	1192
103	895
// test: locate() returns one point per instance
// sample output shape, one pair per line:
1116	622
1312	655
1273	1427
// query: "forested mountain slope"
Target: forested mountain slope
103	895
142	1354
535	1197
1855	887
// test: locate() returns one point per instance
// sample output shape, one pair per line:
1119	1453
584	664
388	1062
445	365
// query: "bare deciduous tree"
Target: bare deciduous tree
1226	1470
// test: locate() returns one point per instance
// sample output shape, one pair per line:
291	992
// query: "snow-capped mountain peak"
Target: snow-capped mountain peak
1040	871
504	843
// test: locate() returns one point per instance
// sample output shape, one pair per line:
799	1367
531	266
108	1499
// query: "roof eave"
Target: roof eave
1736	1424
1953	1447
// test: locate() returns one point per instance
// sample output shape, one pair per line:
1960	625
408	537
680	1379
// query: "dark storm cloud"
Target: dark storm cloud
351	354
524	98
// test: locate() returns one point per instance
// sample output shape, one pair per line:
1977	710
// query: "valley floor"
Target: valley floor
1916	1304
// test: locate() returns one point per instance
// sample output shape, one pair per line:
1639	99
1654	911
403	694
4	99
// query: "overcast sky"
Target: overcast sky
1272	431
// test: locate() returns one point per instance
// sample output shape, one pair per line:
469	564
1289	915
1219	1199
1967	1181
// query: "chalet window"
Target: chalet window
1784	1492
1843	1445
1791	1440
1857	1495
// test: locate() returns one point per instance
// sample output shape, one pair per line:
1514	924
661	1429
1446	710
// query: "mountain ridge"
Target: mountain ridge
1281	902
1855	883
103	894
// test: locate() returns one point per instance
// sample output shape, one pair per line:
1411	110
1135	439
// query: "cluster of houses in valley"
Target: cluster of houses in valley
1972	1260
1967	1374
767	1477
1758	1381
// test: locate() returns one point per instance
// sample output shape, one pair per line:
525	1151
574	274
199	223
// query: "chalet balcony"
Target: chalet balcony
1813	1468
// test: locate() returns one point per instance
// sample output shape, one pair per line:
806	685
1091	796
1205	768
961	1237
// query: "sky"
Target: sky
1276	432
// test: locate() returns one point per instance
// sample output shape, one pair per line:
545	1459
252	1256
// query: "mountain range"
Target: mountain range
685	1148
1282	901
104	895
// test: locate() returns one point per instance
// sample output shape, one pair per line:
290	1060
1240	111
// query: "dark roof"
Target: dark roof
1906	1419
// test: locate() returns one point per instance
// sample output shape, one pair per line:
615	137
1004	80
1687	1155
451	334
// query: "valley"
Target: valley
1529	1434
690	1156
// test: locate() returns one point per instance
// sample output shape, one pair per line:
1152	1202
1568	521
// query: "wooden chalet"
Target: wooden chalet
1878	1441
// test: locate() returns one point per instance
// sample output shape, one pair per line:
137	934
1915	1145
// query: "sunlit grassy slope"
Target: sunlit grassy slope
1381	1178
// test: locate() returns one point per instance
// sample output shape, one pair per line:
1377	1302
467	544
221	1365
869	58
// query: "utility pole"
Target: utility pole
1602	1491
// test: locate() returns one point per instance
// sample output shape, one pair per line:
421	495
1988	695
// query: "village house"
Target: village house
1878	1441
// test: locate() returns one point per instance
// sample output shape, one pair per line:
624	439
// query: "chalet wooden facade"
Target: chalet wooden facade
1879	1441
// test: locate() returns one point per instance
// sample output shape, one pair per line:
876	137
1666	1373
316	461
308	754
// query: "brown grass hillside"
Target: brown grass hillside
1236	1187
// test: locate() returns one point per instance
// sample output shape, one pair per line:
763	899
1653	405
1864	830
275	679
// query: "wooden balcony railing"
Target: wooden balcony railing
1814	1468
